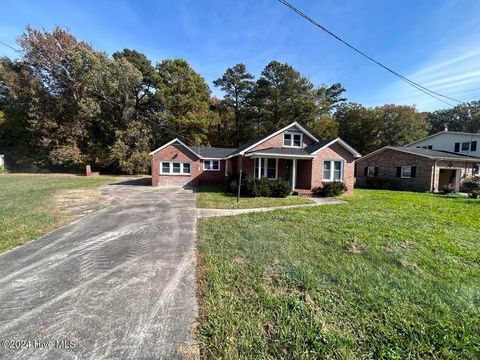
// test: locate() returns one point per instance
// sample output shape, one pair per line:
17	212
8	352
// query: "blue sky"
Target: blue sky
435	43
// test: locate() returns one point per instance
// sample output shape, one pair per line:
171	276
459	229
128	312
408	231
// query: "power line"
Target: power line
423	89
103	96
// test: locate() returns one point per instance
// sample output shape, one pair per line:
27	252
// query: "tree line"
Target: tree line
65	104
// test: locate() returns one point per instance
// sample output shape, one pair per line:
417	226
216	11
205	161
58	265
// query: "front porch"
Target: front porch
296	170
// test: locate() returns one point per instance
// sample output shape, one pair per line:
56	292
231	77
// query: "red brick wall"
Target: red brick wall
387	162
179	153
277	142
334	152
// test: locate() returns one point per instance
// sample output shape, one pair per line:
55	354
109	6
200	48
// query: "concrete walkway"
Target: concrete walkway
202	213
116	284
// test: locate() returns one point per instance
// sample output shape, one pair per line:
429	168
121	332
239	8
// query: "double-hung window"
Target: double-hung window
406	172
465	146
292	139
211	165
175	168
371	171
332	170
266	168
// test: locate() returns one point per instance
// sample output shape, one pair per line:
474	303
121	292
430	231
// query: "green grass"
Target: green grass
26	201
215	197
388	275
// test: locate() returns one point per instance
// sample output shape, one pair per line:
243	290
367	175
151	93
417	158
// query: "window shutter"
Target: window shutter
399	171
457	147
365	172
414	172
473	146
376	171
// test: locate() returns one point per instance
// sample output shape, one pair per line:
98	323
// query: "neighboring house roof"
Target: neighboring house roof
212	152
431	154
286	152
443	133
204	152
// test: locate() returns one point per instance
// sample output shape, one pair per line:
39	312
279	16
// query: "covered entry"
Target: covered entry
448	178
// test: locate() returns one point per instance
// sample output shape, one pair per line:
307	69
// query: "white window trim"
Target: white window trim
406	177
265	167
292	134
181	173
332	167
211	160
368	171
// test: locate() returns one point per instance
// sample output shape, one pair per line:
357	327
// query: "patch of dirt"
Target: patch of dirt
188	352
77	202
354	247
238	260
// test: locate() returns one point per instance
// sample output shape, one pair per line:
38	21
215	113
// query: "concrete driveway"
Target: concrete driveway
117	284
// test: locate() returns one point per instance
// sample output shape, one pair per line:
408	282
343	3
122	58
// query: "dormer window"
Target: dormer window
292	139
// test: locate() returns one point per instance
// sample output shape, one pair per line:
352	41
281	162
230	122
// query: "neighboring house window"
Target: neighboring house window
267	168
476	169
292	139
175	168
332	170
372	171
427	147
457	147
211	165
430	147
465	146
473	147
406	172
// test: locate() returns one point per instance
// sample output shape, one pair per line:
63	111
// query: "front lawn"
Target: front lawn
389	275
27	204
215	197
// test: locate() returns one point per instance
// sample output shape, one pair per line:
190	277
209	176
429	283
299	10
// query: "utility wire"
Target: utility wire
423	89
103	96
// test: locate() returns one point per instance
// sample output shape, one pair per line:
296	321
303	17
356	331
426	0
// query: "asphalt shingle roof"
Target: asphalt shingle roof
212	152
282	151
433	153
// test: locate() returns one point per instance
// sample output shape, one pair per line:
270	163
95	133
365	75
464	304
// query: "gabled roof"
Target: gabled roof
443	133
172	142
245	148
431	154
315	148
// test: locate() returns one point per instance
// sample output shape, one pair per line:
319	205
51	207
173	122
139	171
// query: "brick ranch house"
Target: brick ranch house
416	169
291	153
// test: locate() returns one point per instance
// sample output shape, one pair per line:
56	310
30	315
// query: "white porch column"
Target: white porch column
294	174
259	167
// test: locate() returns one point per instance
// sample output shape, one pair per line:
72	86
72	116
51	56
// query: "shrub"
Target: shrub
3	169
472	186
281	188
330	189
252	187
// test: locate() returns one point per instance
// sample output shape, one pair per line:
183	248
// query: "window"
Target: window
292	139
332	170
211	165
457	147
430	147
476	169
465	146
175	168
267	168
271	168
406	172
371	171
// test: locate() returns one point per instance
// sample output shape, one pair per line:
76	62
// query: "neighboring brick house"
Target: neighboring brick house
291	153
415	169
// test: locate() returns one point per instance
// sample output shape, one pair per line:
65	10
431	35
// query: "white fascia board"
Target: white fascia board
300	127
354	152
172	142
